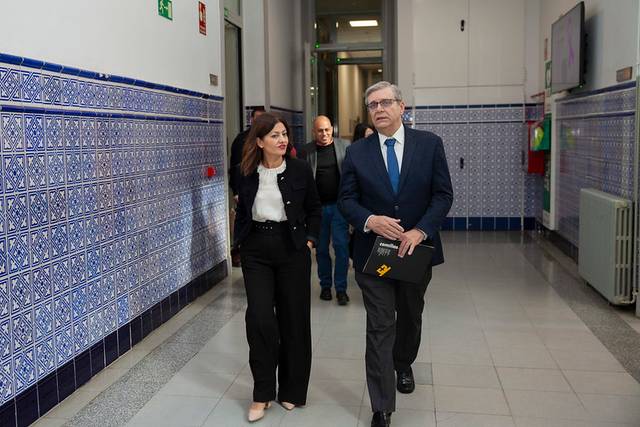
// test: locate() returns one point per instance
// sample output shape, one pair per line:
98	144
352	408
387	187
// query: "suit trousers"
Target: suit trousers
394	326
277	279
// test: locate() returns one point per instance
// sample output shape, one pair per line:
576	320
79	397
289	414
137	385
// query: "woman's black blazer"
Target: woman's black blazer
301	203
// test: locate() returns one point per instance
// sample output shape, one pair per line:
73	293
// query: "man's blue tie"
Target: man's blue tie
392	164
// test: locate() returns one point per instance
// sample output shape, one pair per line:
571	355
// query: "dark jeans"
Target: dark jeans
394	326
334	228
277	278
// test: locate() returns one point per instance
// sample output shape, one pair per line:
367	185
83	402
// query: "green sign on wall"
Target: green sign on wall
165	9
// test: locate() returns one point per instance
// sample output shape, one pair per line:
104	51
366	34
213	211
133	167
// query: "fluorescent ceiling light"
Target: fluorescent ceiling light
364	23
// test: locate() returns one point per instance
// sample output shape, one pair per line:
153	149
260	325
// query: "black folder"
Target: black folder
384	262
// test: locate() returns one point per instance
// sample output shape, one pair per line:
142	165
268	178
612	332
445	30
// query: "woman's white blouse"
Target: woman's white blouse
268	204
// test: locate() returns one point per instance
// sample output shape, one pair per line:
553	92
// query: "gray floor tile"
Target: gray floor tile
452	419
509	335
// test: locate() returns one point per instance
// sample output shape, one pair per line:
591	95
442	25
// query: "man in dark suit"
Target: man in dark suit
234	171
396	184
325	155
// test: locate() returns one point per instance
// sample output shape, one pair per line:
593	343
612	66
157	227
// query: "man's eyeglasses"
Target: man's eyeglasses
385	103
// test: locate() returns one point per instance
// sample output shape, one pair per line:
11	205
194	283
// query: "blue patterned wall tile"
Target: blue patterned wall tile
14	173
38	209
18	248
3	264
107	257
40	280
9	83
93	262
89	165
6	380
82	196
110	317
40	246
53	133
62	309
595	151
3	229
63	342
24	369
43	319
36	171
12	132
52	89
31	87
45	357
96	326
22	330
77	268
94	295
81	335
34	132
5	340
5	298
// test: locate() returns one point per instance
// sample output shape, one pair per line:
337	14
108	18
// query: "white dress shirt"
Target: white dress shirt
268	204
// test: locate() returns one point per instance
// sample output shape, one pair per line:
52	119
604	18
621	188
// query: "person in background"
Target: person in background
325	155
234	170
277	224
362	130
395	184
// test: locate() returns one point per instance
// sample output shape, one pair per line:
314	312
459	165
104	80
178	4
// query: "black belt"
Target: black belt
271	226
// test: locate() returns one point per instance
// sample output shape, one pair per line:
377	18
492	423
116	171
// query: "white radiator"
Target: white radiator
605	252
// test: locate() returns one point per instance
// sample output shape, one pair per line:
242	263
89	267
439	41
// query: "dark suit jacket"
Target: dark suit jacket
424	194
301	203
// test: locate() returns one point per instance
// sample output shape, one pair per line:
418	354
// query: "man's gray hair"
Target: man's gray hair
397	95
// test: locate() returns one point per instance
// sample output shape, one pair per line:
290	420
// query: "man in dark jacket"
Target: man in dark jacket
395	184
325	155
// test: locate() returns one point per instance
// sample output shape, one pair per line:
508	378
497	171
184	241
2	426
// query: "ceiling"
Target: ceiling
341	7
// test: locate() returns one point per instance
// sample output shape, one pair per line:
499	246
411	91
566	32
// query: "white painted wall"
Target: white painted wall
285	54
254	44
404	53
121	37
488	63
612	34
533	53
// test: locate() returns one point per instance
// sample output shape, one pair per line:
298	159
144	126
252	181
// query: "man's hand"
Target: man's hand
408	242
309	244
387	227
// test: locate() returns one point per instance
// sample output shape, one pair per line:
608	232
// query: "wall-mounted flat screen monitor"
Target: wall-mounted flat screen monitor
567	50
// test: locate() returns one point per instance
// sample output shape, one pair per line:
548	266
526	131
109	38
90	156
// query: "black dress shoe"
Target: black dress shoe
342	298
325	294
406	384
381	419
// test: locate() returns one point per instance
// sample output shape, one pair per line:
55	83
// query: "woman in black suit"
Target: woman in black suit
277	224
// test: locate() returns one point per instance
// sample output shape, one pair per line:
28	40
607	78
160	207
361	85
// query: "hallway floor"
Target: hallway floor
511	337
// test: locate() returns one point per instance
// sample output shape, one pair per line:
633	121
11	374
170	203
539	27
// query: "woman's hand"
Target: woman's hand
309	244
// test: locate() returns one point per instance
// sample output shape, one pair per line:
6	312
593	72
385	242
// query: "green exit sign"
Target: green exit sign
165	9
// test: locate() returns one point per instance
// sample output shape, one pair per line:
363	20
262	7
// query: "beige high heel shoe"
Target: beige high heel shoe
287	405
256	414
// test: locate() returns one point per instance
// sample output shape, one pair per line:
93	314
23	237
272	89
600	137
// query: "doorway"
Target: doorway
233	82
349	52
